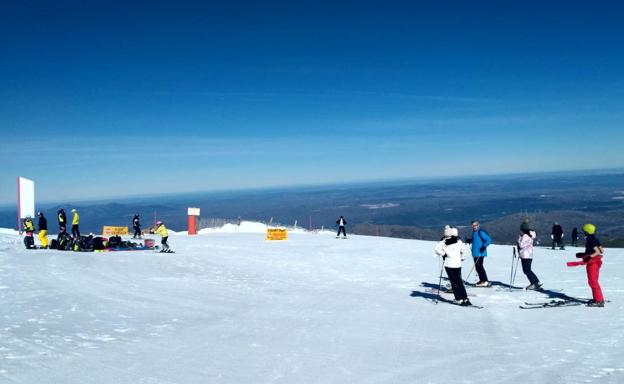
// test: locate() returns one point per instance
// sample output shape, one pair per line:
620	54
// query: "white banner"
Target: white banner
25	197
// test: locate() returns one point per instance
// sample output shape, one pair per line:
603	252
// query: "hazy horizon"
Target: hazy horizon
364	183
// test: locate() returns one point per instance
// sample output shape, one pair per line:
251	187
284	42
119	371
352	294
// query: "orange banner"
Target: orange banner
276	234
108	230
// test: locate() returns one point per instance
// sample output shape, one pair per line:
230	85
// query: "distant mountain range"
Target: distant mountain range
408	209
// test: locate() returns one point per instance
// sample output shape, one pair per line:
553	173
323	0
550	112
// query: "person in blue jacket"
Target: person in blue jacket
479	242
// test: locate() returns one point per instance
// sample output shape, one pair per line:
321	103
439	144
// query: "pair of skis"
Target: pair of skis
557	303
447	301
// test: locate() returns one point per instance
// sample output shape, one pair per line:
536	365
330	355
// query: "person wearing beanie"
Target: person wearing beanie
452	251
525	252
62	222
136	225
557	236
164	234
341	222
75	224
593	259
29	229
43	230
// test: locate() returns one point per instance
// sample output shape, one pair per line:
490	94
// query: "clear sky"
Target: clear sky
101	99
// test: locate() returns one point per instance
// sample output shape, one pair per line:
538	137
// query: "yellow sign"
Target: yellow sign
276	234
114	231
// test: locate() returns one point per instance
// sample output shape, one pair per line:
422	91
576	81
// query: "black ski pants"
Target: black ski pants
457	283
479	268
342	229
526	268
557	242
75	231
137	231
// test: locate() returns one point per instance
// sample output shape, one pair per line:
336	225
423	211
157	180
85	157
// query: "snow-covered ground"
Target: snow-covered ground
230	307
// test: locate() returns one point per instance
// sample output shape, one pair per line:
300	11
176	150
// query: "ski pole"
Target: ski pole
513	281
472	269
440	281
513	259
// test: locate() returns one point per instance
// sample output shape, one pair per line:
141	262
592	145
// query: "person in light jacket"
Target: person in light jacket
164	234
452	251
525	252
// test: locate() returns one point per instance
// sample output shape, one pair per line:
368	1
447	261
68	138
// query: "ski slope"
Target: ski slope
230	307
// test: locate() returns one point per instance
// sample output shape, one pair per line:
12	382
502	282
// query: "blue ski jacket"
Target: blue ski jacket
480	241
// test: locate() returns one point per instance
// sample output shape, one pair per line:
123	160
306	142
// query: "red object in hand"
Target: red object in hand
575	263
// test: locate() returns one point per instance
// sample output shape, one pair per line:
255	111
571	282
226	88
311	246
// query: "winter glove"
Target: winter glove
586	258
482	249
552	236
468	240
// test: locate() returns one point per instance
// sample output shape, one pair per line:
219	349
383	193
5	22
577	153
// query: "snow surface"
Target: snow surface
230	307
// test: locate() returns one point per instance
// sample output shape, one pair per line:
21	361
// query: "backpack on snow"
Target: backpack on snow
114	242
84	244
65	242
98	243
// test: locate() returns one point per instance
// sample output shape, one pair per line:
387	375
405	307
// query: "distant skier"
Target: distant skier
75	224
525	252
136	225
62	222
479	242
557	236
162	231
29	228
341	226
452	250
43	230
575	237
593	257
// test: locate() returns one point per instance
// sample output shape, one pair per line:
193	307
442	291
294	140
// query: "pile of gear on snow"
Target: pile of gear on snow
97	243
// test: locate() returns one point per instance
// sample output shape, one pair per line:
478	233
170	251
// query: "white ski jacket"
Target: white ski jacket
525	245
453	249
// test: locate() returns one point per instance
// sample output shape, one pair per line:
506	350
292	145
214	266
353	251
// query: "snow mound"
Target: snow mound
8	231
245	227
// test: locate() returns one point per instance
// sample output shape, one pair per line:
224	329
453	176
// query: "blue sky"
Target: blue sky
101	99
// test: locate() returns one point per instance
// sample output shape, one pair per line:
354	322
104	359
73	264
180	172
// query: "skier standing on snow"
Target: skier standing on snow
75	224
341	226
451	249
575	237
162	231
479	242
43	230
136	224
29	228
557	236
593	258
62	222
525	252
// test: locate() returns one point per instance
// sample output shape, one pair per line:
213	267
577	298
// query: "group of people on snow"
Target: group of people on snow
29	229
452	250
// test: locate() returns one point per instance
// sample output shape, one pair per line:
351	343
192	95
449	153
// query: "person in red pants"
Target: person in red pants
593	260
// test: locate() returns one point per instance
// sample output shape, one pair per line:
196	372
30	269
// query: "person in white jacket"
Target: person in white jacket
525	252
452	251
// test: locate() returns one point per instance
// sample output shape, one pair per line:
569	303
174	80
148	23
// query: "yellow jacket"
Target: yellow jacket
75	219
162	231
28	226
